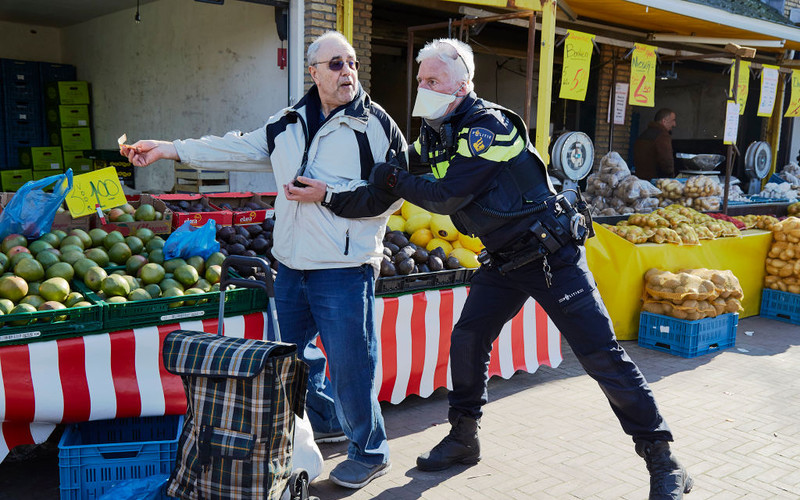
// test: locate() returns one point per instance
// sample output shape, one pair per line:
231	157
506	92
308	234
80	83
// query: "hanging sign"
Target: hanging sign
577	60
744	83
731	122
95	191
643	76
769	89
794	103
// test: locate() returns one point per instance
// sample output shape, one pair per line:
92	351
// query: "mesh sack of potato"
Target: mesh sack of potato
693	309
706	203
665	235
632	188
651	220
793	209
726	284
699	186
787	230
645	205
703	232
749	221
790	284
687	233
671	189
596	186
664	285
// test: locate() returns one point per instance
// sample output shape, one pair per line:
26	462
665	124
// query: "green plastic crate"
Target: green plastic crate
48	325
127	315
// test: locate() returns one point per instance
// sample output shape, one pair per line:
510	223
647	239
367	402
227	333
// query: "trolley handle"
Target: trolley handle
242	260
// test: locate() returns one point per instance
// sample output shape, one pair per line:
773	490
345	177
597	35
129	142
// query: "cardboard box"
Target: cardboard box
62	220
74	115
77	161
15	179
67	93
72	138
243	216
196	219
162	226
41	158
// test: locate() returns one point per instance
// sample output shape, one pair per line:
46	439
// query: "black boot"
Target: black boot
460	446
668	478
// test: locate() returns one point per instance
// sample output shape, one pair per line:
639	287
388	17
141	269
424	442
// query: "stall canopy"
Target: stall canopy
698	21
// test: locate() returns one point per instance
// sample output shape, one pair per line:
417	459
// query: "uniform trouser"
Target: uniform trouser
339	306
575	306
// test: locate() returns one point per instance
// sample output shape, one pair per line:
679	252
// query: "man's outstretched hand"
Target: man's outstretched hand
143	153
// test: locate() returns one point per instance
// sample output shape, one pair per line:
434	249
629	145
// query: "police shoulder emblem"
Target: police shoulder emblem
479	140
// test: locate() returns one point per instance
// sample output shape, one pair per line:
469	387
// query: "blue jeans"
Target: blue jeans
339	306
575	306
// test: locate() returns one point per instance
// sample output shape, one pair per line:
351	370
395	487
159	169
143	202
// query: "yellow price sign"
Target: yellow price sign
93	191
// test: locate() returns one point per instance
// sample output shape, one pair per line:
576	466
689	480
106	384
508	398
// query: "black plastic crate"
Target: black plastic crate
448	278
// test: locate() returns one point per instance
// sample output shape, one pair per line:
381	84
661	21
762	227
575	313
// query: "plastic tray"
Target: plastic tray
783	306
687	339
46	325
127	315
423	281
94	456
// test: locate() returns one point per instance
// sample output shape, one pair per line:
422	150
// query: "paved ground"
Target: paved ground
552	435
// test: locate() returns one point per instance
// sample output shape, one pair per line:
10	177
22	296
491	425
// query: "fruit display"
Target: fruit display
418	241
249	240
692	294
675	224
62	270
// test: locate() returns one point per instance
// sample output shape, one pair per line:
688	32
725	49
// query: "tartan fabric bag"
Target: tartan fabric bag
242	396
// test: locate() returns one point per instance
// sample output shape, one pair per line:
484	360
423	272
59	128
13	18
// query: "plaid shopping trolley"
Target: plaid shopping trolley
242	397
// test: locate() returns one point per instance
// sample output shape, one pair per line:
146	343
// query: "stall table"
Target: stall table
619	267
121	374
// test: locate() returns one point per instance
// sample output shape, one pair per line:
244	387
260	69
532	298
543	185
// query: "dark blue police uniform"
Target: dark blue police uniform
494	185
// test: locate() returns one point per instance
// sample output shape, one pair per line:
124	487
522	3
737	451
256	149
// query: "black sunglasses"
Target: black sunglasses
338	64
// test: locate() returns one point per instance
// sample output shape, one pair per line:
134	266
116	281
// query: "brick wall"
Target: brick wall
612	56
320	16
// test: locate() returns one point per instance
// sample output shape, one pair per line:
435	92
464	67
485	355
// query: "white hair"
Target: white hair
456	54
313	48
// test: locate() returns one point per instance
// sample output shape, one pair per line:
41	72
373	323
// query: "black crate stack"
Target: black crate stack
24	136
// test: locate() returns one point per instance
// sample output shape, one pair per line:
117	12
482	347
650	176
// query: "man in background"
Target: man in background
652	151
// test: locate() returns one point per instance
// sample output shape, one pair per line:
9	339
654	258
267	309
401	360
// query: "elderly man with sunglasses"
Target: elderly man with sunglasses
327	142
493	184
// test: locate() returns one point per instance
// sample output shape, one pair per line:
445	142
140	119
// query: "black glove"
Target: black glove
385	175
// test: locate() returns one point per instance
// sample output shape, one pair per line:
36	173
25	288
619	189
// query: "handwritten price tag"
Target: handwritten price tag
93	191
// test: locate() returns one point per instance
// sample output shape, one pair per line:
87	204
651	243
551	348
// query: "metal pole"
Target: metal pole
529	68
612	99
729	153
409	70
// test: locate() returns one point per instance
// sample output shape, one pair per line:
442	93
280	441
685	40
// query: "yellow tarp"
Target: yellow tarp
619	266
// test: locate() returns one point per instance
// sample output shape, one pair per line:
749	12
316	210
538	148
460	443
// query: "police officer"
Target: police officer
493	184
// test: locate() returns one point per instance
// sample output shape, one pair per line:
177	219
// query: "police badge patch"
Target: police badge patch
479	140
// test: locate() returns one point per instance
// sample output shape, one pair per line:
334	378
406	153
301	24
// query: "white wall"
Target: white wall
188	69
30	43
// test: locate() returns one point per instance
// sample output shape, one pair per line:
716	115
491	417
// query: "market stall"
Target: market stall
619	267
121	374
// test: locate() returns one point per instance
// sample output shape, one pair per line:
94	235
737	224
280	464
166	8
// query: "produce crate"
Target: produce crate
15	179
687	339
136	314
448	278
243	216
783	306
94	456
197	219
162	226
47	325
189	180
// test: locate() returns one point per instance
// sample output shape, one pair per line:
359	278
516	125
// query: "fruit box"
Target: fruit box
782	306
48	325
243	215
163	226
196	219
62	220
687	339
166	310
448	278
94	456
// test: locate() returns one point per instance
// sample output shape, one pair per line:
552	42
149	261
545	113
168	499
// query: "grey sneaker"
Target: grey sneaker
352	474
329	437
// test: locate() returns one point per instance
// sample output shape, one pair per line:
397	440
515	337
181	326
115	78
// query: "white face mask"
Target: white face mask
432	105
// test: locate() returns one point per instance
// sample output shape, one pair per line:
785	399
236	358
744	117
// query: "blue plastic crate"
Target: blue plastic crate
94	456
783	306
687	339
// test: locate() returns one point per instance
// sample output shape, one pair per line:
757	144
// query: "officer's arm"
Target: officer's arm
364	201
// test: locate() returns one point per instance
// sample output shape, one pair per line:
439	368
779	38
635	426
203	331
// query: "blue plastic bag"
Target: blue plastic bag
31	211
186	241
147	488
